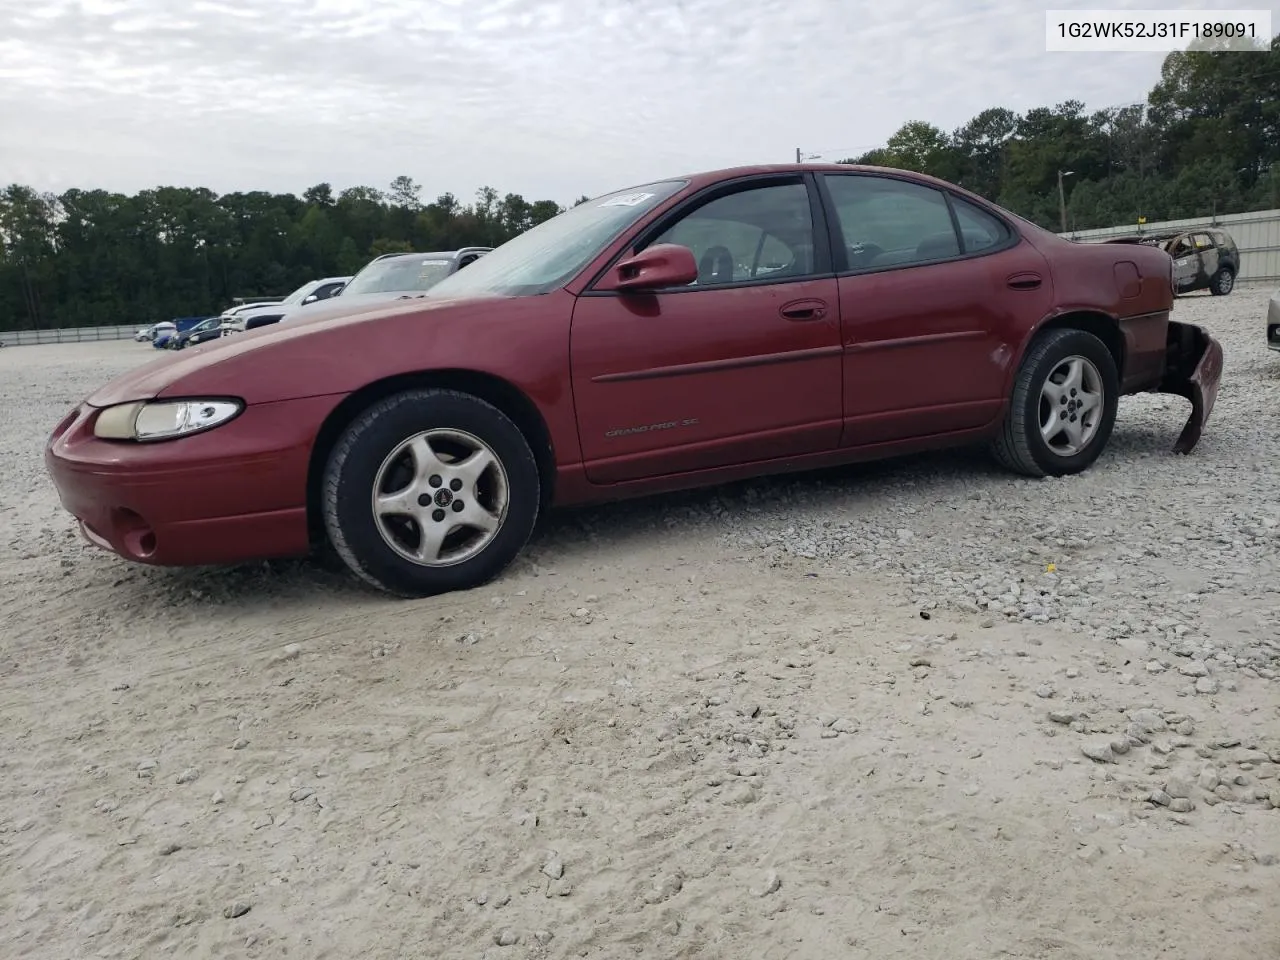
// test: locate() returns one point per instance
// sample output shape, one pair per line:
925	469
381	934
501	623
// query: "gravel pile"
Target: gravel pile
1174	557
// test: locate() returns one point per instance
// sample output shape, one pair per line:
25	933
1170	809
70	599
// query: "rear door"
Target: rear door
1186	263
1209	257
935	295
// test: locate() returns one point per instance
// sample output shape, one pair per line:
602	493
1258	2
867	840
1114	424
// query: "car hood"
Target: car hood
153	379
344	304
266	309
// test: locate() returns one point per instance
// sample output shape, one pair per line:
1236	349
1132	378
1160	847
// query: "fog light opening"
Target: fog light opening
136	535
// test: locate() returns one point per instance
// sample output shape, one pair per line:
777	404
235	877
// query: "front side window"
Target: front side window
552	253
889	222
758	233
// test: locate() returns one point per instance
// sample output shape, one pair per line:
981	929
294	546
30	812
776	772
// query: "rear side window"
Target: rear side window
979	230
888	222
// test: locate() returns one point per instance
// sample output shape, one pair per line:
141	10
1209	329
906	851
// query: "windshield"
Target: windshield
407	274
297	295
550	254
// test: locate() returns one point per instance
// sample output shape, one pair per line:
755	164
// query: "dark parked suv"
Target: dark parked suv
1205	258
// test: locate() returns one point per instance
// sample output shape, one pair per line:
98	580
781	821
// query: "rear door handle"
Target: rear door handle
1024	281
803	310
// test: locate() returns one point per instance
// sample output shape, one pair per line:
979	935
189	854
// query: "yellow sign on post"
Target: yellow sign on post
1142	220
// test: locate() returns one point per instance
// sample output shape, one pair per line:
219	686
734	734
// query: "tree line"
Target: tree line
1205	141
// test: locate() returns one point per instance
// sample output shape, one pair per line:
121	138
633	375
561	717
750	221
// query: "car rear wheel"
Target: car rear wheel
1223	282
429	491
1063	406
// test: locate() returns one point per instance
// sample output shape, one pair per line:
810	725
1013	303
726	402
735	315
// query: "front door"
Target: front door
741	366
932	314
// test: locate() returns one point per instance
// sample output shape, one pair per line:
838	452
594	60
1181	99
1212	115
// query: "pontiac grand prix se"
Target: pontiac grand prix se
686	332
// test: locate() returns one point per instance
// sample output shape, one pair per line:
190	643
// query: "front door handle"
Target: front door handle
803	310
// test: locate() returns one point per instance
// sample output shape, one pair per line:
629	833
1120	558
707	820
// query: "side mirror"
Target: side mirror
662	265
309	299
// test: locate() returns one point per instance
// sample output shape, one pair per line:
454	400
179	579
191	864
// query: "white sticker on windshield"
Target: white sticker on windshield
435	263
628	200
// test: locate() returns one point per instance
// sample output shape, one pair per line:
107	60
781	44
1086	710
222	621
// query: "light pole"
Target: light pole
801	158
1062	197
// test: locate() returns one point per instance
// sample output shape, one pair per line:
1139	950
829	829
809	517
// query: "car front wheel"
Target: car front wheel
1223	282
429	491
1063	406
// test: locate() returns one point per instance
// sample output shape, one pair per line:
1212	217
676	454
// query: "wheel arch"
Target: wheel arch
503	394
1102	325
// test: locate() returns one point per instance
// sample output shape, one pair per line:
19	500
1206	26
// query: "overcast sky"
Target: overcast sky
547	98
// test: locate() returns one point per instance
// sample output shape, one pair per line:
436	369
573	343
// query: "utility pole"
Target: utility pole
1062	197
798	160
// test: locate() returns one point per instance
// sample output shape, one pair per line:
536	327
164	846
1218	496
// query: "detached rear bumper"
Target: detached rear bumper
1273	323
1193	369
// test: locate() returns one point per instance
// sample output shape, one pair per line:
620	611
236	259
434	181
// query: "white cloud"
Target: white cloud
549	98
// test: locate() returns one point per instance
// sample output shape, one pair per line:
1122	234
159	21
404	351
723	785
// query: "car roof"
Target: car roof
442	254
1145	237
707	178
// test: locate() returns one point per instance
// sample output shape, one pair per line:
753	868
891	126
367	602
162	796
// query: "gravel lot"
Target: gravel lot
842	715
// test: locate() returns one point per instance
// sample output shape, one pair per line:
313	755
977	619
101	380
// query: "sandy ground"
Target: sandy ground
643	741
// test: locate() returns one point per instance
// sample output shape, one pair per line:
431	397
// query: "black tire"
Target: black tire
1019	446
353	467
1223	282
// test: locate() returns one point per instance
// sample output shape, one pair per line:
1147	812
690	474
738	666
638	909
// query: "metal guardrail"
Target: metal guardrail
26	338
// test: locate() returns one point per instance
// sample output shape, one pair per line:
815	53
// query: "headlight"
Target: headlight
163	419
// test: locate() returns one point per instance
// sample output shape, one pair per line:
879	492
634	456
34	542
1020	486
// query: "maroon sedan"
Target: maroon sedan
692	331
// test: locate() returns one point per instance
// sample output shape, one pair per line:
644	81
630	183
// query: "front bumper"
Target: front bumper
1193	369
232	494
